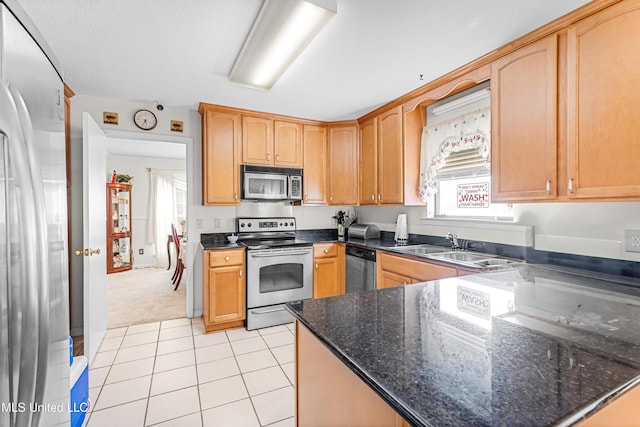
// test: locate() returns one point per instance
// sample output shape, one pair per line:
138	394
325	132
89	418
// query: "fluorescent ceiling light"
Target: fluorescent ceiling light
461	102
281	31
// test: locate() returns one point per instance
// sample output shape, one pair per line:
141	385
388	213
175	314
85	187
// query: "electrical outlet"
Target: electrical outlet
140	251
216	223
632	240
199	223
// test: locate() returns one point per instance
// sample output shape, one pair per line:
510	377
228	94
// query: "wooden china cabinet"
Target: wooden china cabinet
119	256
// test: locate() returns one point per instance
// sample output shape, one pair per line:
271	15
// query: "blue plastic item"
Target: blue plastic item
79	399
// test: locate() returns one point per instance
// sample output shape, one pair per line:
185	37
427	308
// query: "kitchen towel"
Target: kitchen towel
402	234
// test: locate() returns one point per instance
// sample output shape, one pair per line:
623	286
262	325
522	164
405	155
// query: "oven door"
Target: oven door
264	186
279	275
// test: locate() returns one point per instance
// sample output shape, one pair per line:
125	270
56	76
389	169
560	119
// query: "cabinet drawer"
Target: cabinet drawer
325	250
226	257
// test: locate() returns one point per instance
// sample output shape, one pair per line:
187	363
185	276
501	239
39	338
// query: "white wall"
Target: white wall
137	167
586	228
192	132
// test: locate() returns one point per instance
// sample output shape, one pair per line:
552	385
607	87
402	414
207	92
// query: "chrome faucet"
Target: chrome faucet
453	238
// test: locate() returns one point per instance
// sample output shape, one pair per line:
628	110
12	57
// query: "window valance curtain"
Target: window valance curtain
468	131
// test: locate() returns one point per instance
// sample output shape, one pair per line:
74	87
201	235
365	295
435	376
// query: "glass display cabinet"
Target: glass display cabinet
119	256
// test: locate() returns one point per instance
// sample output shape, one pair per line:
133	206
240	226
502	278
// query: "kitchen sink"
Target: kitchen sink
462	258
421	249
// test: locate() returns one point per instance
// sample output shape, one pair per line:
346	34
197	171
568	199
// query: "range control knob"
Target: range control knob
242	224
249	225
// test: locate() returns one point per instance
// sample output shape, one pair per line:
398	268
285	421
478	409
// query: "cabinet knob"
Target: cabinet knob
547	187
316	265
326	251
277	157
373	197
240	273
379	197
226	258
570	185
268	156
331	198
235	196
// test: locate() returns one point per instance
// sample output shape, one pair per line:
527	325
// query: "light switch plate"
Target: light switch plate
632	240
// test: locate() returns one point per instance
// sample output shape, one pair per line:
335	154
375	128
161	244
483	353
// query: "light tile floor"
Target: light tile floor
171	373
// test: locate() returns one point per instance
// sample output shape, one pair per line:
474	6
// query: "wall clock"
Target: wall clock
145	119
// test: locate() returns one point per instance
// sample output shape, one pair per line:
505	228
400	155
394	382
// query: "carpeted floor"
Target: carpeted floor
143	295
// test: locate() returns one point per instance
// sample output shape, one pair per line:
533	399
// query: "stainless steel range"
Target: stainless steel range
279	269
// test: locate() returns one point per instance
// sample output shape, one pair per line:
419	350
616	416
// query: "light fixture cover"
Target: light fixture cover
280	32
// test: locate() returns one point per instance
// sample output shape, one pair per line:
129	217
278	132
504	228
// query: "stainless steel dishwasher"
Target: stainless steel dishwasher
361	269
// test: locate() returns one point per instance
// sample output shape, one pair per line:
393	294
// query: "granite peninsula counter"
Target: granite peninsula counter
529	346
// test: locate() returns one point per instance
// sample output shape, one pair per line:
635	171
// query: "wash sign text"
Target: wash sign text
474	195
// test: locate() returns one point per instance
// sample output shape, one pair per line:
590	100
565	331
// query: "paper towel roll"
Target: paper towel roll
401	235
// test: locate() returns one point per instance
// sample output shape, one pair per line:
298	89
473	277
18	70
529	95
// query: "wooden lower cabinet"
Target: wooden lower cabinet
328	269
396	270
223	289
329	394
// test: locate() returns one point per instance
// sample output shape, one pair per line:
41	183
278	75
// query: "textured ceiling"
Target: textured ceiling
178	52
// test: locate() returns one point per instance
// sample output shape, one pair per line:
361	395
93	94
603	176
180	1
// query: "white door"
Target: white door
94	217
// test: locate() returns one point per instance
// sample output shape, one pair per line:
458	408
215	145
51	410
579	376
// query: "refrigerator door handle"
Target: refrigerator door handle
32	235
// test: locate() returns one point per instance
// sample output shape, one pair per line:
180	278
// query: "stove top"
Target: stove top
266	233
275	243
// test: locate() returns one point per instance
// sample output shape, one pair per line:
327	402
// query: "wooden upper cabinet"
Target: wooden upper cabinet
314	181
603	63
257	140
343	164
287	144
524	115
390	158
220	157
368	167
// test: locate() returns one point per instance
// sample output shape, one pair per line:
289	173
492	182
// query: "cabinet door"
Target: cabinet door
524	123
603	152
390	158
343	165
257	140
390	280
287	144
325	277
315	165
226	294
368	184
220	158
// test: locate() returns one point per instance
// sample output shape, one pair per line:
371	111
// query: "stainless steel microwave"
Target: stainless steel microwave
271	183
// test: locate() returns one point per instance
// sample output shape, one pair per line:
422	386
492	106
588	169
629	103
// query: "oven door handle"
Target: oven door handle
278	254
271	310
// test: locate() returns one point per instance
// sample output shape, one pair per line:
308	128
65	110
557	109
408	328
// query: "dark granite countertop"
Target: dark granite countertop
528	346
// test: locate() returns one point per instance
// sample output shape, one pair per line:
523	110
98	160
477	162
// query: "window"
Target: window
456	159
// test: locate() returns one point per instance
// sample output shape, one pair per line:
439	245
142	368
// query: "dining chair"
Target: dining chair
177	274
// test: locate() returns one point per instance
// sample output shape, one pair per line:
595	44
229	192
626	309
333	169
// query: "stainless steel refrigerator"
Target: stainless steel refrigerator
34	303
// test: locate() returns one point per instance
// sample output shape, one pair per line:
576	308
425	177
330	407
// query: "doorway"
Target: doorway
145	292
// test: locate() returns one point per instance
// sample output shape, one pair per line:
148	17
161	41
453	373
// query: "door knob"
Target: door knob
94	251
